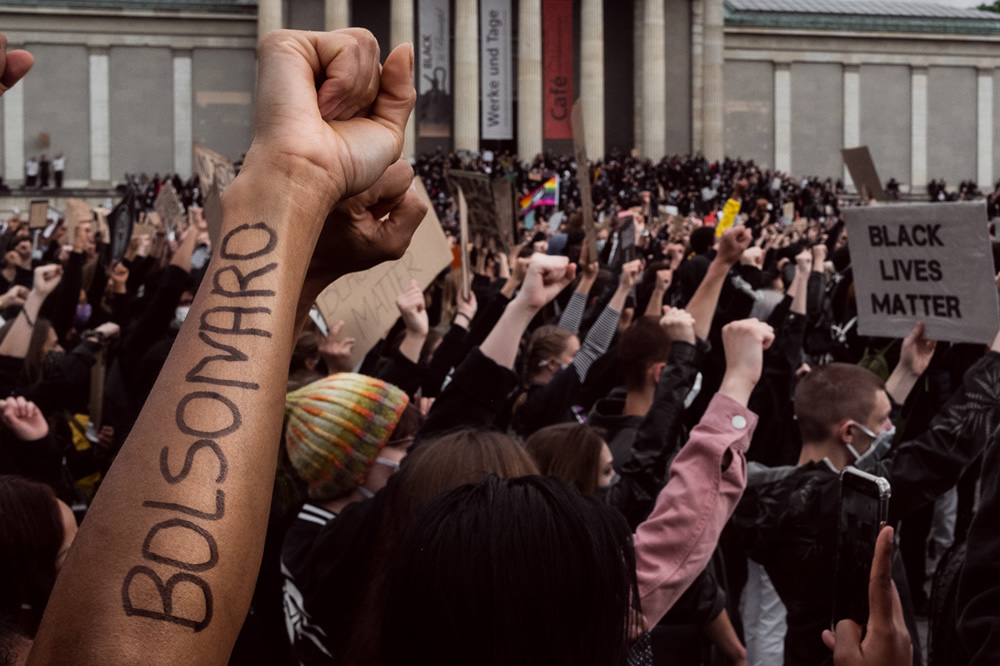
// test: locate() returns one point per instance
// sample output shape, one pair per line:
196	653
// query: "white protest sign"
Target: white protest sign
924	262
366	301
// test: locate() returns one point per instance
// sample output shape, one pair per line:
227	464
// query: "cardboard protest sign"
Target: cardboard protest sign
38	215
169	207
366	301
863	173
503	195
463	226
213	214
212	168
482	209
583	177
77	211
924	262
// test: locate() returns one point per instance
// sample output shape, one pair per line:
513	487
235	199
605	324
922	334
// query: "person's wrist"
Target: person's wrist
293	180
264	192
738	387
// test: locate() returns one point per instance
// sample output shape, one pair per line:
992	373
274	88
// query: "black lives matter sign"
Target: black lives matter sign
927	262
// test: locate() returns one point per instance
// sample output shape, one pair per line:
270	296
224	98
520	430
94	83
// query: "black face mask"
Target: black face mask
604	492
52	360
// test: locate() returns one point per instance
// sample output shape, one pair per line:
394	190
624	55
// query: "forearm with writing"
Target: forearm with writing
168	552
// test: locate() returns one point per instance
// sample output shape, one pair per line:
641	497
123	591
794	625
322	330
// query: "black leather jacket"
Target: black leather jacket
645	472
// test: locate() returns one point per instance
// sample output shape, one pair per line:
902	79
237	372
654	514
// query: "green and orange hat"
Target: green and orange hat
336	427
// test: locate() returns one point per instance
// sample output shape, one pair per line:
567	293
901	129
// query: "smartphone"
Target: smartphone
864	509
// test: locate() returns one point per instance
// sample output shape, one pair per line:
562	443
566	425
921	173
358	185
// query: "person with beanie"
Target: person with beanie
345	435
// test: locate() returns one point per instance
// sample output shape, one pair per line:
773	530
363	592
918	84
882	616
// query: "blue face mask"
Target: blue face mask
601	242
881	443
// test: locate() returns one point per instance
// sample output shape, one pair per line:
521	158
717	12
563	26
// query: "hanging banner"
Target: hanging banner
434	69
557	51
495	64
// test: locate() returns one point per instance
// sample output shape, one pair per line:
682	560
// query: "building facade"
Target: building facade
126	86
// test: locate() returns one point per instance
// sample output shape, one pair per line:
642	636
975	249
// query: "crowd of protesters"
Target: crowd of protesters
619	452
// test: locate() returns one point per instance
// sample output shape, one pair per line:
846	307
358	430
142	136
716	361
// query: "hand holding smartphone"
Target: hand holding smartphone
864	509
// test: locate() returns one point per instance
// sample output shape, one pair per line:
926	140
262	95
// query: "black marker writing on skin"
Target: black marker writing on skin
184	595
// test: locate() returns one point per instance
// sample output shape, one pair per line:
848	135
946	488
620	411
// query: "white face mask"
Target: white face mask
391	464
881	443
181	312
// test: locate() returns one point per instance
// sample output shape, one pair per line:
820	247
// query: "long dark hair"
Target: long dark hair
31	535
519	571
461	457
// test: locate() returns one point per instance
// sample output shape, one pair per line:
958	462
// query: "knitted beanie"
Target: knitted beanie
336	427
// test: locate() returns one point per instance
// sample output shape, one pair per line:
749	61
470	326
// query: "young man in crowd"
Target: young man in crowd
787	520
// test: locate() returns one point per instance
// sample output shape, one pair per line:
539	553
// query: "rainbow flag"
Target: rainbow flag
546	195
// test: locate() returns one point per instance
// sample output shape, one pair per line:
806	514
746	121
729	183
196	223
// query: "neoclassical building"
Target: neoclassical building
126	86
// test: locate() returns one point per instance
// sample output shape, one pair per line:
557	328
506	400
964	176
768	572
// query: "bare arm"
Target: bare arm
162	570
19	337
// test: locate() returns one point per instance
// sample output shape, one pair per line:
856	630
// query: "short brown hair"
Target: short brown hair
571	451
832	394
643	344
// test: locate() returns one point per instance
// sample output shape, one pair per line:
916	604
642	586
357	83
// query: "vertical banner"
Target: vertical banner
434	69
557	65
495	60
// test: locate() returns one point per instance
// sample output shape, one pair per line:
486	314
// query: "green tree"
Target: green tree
991	7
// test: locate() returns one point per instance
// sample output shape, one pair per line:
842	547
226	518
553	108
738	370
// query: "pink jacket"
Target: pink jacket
675	543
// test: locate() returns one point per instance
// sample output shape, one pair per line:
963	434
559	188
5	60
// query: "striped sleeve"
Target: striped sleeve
573	314
597	342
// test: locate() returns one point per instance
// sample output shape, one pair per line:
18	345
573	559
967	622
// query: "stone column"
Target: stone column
783	117
654	81
592	75
13	134
100	117
697	75
637	73
269	16
918	129
467	75
714	103
401	32
529	79
337	14
852	114
183	113
985	137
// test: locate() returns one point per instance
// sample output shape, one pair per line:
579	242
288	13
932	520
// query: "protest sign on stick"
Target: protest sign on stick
169	207
77	211
863	173
583	177
478	192
38	215
503	195
212	168
463	225
924	262
366	301
213	214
